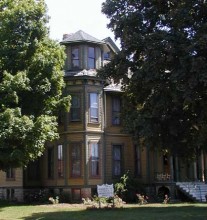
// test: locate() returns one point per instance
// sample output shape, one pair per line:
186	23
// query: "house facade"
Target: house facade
92	148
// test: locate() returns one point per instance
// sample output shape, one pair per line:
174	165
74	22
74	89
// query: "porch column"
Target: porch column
171	168
205	166
202	167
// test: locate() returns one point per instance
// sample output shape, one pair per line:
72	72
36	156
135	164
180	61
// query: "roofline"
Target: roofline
82	41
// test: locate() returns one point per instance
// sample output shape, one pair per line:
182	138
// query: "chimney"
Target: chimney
65	36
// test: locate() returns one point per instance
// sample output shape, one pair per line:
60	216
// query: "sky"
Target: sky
70	16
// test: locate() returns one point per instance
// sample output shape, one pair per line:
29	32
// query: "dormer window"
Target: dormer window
91	58
75	58
106	55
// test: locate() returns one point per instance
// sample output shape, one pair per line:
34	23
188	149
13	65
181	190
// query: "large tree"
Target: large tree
163	67
31	82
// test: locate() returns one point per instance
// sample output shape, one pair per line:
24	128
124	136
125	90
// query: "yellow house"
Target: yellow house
92	148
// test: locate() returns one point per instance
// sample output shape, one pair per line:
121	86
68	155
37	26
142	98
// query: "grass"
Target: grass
182	211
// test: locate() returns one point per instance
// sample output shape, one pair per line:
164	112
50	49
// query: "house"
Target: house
92	148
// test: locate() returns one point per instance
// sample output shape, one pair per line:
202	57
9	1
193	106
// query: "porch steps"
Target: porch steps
197	191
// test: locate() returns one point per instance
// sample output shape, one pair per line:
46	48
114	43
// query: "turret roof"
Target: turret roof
81	36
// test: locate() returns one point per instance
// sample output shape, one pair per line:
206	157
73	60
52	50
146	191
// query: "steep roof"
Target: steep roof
111	44
80	36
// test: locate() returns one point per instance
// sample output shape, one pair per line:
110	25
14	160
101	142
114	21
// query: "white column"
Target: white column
171	168
202	166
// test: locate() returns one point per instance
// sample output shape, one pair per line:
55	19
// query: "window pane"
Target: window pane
10	173
75	53
91	58
94	113
117	153
117	168
117	160
91	63
33	170
116	111
137	161
93	100
91	52
75	64
76	160
94	159
75	101
94	107
94	150
76	168
75	58
60	161
75	108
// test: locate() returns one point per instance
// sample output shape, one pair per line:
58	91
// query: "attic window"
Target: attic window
75	58
107	56
91	58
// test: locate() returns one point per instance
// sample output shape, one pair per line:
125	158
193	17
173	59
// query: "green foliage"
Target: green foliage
128	187
121	187
31	82
162	64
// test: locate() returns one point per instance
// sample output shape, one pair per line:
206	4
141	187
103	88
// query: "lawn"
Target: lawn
184	211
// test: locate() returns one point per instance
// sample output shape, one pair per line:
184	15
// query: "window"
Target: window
137	161
91	58
75	108
76	195
76	159
75	58
116	110
117	160
33	170
106	55
93	107
10	194
50	162
61	117
60	161
10	174
94	159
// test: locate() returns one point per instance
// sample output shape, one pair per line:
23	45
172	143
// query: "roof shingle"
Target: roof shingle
81	36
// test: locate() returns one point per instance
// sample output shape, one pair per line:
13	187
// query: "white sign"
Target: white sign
105	190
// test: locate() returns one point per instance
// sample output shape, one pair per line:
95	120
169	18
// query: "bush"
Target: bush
128	187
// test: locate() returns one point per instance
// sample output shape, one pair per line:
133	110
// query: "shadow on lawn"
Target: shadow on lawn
127	213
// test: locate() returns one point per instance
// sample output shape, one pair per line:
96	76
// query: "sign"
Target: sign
105	190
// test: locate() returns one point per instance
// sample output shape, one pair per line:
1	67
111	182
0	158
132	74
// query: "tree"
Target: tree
31	82
163	68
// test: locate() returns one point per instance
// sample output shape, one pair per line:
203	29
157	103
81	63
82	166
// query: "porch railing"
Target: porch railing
162	177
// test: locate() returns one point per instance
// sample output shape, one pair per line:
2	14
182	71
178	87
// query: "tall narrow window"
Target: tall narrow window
33	170
60	161
116	110
137	161
117	160
75	58
50	162
93	107
91	58
106	55
76	160
94	158
75	107
61	115
10	174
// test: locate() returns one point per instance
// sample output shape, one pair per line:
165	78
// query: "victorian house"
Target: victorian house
92	148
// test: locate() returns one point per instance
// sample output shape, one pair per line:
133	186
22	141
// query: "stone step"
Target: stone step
194	190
